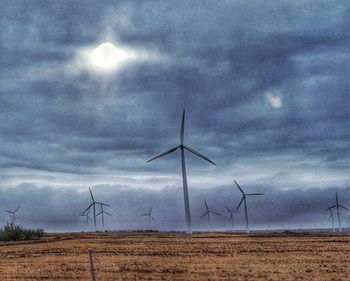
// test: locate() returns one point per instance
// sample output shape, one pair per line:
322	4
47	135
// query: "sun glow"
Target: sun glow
108	56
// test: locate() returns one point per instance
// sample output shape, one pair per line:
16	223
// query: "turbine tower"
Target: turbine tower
13	215
232	217
149	215
102	212
207	213
182	148
93	206
244	195
337	205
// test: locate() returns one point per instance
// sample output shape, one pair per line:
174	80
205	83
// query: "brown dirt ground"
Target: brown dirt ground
216	256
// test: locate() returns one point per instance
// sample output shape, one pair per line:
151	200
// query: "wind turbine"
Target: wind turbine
149	215
232	217
93	206
102	213
182	148
13	215
207	213
331	217
337	205
244	195
88	219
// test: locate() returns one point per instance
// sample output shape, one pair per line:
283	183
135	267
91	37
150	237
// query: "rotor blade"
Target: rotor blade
206	205
150	210
343	207
100	203
182	130
163	154
255	194
239	186
99	214
198	154
204	214
332	206
17	209
240	203
8	212
87	208
92	197
214	213
144	215
108	214
152	217
229	210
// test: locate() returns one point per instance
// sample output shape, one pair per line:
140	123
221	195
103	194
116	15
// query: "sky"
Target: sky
265	86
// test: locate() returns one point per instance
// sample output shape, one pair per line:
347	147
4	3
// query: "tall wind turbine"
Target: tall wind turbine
232	220
93	206
337	205
102	212
13	215
244	195
207	213
149	215
182	148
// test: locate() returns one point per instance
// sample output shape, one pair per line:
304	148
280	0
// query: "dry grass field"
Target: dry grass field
217	256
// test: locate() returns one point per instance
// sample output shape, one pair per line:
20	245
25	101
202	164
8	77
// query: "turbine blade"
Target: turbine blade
92	197
240	203
17	209
99	214
204	214
152	217
229	210
87	208
255	194
206	205
343	207
108	214
239	187
215	213
182	130
198	154
332	206
163	154
150	210
144	215
103	204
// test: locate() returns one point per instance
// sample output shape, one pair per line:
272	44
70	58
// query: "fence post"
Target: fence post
92	269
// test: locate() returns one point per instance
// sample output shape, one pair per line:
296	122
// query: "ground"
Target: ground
216	256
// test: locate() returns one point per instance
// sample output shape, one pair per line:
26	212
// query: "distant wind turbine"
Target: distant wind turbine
337	205
88	219
207	213
244	195
331	217
13	215
184	177
102	212
232	220
93	206
149	215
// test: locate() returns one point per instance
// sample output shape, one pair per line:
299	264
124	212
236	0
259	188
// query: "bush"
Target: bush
18	233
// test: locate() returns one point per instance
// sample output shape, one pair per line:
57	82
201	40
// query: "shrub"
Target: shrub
18	233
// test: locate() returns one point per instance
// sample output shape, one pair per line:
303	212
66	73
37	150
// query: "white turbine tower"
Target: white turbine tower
244	195
182	148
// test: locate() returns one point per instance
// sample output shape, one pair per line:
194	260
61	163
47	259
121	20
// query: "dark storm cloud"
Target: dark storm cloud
221	61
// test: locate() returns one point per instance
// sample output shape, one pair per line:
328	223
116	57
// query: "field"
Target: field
217	256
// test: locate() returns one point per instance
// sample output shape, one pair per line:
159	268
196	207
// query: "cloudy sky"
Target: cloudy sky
266	91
